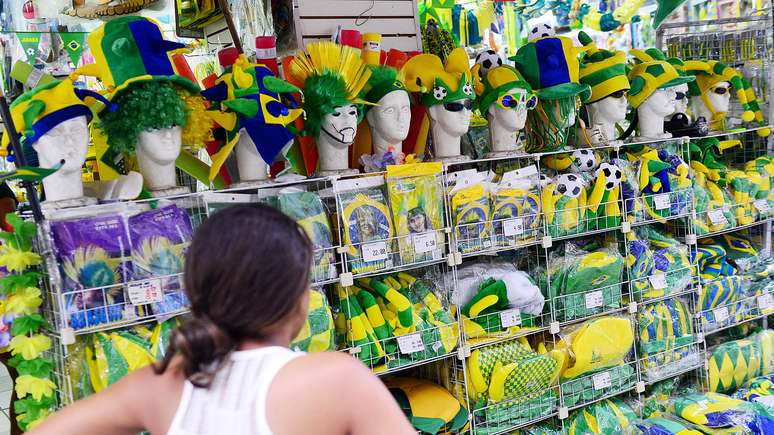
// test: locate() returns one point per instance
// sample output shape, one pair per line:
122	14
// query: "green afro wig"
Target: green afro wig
141	107
322	95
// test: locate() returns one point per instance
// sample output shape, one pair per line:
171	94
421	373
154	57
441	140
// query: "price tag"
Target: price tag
765	302
594	299
601	381
720	314
146	292
661	202
510	317
375	251
513	227
658	281
425	242
762	205
410	343
717	217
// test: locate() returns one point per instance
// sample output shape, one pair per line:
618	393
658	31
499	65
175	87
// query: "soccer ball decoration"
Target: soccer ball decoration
585	160
540	31
569	185
439	93
613	175
488	59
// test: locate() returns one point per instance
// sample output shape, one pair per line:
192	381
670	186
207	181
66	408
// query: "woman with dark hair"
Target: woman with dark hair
228	369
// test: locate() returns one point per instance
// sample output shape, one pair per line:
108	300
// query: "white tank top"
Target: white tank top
235	403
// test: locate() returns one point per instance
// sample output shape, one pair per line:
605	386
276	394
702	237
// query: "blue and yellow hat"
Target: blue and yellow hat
551	66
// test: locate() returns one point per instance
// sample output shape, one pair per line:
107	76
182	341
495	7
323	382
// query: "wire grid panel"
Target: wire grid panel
99	278
740	308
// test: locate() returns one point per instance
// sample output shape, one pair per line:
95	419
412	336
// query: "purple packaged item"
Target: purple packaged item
159	240
94	254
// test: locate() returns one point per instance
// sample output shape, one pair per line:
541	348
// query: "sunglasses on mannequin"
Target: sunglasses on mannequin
509	101
618	94
720	91
680	95
459	106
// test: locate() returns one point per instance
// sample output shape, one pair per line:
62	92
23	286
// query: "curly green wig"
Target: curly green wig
322	95
153	105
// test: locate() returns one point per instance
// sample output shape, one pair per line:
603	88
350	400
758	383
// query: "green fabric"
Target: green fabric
581	390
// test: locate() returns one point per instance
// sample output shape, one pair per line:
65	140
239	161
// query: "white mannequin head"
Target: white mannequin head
157	151
681	105
447	127
389	122
68	141
250	165
510	119
652	111
338	128
720	101
605	113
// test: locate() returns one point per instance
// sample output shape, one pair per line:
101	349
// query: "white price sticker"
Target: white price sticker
762	205
513	227
146	292
661	202
510	317
717	217
720	314
376	251
594	299
658	281
411	343
601	381
765	302
425	242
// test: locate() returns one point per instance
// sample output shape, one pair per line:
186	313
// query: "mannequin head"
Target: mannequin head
681	98
661	102
389	121
549	125
610	109
339	127
511	119
715	100
160	146
452	118
68	141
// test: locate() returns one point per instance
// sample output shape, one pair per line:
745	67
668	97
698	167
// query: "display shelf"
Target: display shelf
673	362
743	310
498	235
516	413
592	388
733	229
645	297
574	308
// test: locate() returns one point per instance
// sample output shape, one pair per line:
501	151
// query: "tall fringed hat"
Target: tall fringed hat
249	98
650	74
439	83
500	81
603	70
550	65
332	76
131	50
41	109
710	73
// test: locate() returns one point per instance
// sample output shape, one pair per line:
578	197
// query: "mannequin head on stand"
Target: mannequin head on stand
713	104
390	117
505	98
681	98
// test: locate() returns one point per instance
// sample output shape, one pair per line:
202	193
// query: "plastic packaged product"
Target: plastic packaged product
759	390
160	238
765	341
94	254
679	175
307	209
666	331
718	413
354	325
761	171
516	207
665	425
317	335
743	191
604	201
653	177
657	400
719	302
630	191
734	363
639	262
564	205
471	212
670	258
417	208
430	408
596	344
740	249
602	418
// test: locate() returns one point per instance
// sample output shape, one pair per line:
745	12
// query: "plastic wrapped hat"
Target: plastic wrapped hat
317	333
604	71
499	81
430	408
650	75
551	66
439	83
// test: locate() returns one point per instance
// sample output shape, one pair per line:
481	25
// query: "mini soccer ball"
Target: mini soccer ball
545	180
613	175
467	89
541	31
439	93
488	59
569	185
586	160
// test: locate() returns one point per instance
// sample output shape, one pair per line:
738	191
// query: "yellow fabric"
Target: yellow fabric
598	344
427	400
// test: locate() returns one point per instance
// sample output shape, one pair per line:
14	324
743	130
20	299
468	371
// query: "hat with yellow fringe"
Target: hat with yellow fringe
650	74
439	83
550	65
332	76
603	70
500	81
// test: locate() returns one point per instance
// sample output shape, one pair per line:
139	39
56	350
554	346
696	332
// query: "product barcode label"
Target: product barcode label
425	242
661	202
601	381
146	292
510	317
266	53
410	343
765	302
720	314
375	251
658	281
717	217
513	227
594	299
762	205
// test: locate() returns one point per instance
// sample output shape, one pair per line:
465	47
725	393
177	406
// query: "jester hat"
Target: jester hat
249	98
650	74
383	81
498	82
550	64
603	70
130	50
439	83
332	76
41	109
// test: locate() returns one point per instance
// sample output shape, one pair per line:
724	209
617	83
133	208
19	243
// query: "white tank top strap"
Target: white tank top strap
235	403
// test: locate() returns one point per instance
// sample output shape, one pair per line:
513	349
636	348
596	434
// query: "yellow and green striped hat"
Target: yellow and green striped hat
710	73
603	70
649	75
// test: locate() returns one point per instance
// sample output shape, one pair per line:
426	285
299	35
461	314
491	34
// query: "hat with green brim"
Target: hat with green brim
603	70
646	78
440	83
383	81
551	66
498	82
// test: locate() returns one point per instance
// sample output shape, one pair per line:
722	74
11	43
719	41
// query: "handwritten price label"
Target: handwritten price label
513	227
717	217
594	299
510	317
411	343
376	251
658	281
146	292
762	205
661	201
425	242
601	381
720	314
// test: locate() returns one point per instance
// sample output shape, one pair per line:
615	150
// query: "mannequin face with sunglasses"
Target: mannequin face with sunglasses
389	122
652	112
719	98
337	133
448	122
507	117
681	98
